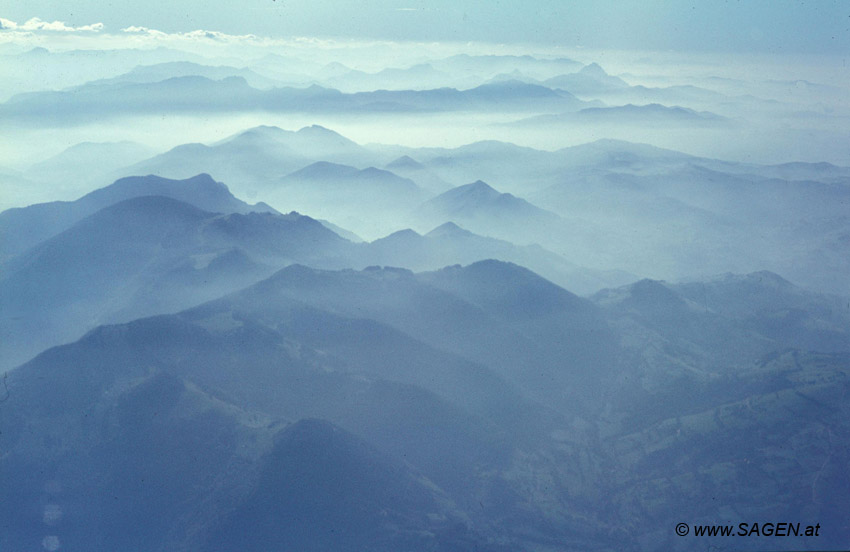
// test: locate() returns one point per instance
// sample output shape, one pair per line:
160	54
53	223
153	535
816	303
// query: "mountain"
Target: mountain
713	326
487	66
368	201
408	167
506	166
252	159
485	211
630	115
772	306
139	432
509	95
450	244
416	77
590	80
617	201
27	226
530	353
309	141
730	440
415	443
341	232
233	94
157	432
480	199
178	94
163	71
142	256
42	69
259	357
325	489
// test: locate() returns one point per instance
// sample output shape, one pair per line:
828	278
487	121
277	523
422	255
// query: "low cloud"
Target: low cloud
36	24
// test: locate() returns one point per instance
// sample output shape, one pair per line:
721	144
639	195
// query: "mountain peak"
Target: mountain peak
480	186
476	193
263	130
594	70
323	169
401	235
448	229
318	130
404	162
203	178
507	288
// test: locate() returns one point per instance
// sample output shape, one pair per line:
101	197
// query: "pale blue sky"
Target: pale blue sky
768	26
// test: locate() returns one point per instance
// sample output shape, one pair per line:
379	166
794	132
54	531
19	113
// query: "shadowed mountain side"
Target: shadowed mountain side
324	489
240	359
144	446
705	330
24	227
377	350
734	440
561	356
576	349
140	437
770	305
144	256
258	354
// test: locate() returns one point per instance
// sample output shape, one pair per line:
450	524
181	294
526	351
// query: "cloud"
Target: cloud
191	35
143	30
36	24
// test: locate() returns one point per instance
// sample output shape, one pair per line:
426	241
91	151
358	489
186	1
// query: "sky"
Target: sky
754	26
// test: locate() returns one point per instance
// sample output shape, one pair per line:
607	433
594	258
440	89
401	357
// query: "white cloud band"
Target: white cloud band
36	24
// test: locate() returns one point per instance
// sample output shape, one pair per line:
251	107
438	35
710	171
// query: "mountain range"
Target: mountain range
233	94
243	379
